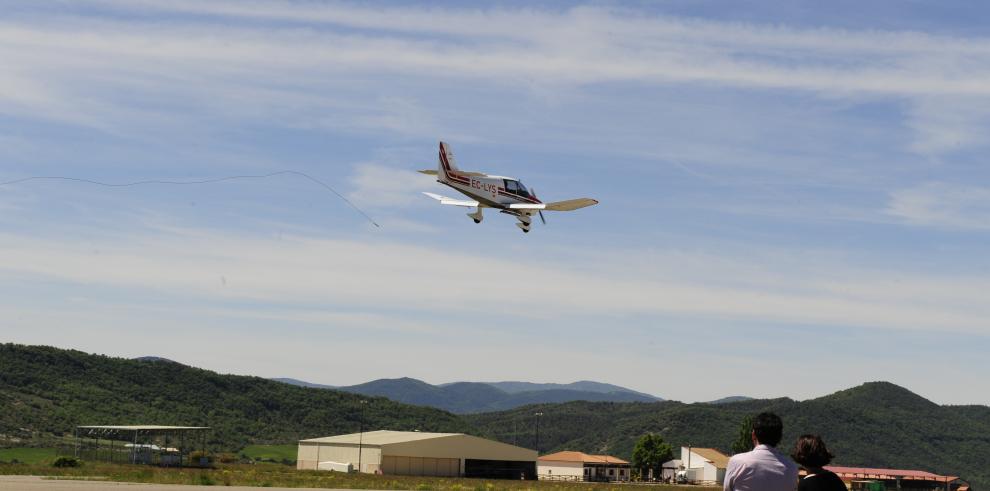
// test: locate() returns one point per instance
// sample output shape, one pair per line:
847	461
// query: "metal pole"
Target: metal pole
360	432
606	463
538	414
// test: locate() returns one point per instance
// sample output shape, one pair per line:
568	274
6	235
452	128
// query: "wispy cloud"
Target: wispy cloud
73	66
944	205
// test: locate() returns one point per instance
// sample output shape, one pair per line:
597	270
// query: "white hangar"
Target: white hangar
413	453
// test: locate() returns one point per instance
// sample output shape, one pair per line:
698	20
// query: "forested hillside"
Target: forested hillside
877	425
47	391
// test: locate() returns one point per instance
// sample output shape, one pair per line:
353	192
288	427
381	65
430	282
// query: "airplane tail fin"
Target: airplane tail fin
446	162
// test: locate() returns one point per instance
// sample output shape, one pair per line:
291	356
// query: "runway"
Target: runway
35	483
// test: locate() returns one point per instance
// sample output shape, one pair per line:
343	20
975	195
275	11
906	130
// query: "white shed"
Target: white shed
701	465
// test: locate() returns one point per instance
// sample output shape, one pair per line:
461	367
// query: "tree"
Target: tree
744	437
650	453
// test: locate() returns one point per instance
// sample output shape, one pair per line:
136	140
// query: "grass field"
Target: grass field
27	455
267	475
274	453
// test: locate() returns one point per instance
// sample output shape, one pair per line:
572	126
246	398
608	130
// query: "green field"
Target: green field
268	475
274	453
27	455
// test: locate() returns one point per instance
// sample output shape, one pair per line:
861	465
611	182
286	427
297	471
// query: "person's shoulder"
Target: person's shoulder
822	480
831	476
741	456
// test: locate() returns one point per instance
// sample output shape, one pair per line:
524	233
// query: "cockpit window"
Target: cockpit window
516	187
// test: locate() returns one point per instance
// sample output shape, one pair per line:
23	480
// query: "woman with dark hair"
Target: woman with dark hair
810	452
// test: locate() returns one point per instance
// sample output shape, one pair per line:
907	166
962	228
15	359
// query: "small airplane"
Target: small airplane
505	194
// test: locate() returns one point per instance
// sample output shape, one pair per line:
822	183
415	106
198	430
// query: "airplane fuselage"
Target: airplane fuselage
490	191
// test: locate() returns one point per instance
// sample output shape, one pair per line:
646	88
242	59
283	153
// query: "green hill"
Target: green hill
46	391
877	424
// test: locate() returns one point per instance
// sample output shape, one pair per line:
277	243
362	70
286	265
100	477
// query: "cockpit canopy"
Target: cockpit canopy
516	187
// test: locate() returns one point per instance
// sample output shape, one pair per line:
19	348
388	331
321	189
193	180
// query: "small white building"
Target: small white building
579	466
700	465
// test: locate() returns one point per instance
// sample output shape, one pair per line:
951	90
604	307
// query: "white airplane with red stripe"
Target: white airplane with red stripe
505	194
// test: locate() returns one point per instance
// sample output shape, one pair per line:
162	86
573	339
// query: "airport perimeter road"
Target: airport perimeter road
34	483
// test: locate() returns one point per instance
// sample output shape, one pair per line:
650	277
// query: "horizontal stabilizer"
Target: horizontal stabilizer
470	203
571	204
433	172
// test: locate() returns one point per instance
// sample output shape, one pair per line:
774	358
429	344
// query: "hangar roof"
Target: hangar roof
381	437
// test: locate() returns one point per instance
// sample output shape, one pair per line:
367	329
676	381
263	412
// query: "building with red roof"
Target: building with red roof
579	466
861	478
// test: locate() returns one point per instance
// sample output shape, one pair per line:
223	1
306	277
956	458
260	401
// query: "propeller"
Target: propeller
532	193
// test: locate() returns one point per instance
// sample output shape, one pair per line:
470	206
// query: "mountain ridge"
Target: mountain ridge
474	397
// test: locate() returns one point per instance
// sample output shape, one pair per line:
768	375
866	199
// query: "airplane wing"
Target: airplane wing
429	172
571	204
469	203
527	206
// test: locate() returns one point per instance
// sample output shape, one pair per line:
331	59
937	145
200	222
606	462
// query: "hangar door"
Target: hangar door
500	469
420	466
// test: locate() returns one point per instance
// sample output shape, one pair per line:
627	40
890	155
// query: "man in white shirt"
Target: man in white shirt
763	468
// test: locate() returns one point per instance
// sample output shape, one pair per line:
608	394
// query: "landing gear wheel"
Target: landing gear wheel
525	230
477	221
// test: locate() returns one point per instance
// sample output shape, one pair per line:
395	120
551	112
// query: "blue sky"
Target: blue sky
794	199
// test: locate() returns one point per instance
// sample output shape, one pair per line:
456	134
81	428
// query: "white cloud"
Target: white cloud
943	205
304	271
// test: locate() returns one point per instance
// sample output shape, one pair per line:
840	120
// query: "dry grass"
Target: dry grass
268	475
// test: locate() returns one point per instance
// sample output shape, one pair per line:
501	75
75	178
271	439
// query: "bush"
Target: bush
66	462
227	458
196	457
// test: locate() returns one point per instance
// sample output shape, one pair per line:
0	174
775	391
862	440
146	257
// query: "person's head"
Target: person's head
767	429
810	452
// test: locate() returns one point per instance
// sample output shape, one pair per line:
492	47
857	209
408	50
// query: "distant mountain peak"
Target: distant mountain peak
155	359
472	397
512	386
885	394
730	399
302	383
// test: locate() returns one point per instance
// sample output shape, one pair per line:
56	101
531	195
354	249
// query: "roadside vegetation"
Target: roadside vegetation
27	455
277	475
280	454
